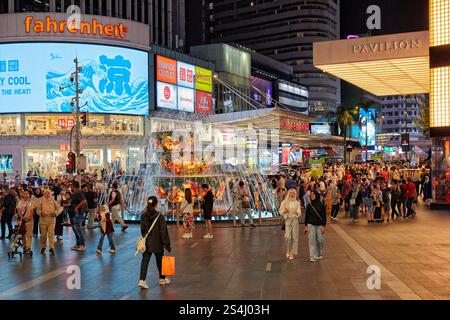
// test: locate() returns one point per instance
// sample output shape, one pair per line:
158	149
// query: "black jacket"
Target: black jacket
311	217
158	239
208	203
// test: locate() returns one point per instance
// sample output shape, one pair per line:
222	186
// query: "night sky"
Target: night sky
397	16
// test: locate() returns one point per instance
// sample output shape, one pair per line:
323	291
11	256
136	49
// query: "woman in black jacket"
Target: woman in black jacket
156	241
315	221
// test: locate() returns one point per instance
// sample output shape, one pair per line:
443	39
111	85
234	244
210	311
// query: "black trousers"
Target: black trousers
58	225
335	210
394	209
35	224
146	259
7	220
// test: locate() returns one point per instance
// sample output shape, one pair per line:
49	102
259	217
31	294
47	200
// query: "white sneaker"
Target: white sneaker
312	260
112	250
164	281
185	236
208	236
142	284
291	257
319	258
99	251
190	235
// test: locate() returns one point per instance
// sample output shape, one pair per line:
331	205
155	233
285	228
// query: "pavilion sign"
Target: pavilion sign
294	125
376	47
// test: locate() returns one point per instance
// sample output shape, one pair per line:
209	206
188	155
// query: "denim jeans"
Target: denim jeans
77	229
110	239
316	239
354	211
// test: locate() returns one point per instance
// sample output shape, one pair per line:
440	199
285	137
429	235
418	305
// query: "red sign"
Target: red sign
70	122
62	123
64	147
294	125
203	102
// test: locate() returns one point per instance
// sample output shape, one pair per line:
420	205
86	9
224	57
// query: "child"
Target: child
106	228
187	208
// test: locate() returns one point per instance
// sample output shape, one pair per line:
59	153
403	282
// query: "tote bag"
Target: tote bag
168	266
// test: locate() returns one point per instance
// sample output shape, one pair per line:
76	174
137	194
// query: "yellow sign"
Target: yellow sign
203	79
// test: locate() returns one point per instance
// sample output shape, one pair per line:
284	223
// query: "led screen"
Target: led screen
6	162
367	127
261	91
112	79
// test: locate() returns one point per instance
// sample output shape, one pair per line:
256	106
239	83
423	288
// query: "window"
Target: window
9	125
31	5
3	6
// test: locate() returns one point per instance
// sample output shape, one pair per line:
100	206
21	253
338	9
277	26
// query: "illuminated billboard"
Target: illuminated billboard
112	79
203	102
261	91
186	99
367	131
175	86
185	74
166	95
203	79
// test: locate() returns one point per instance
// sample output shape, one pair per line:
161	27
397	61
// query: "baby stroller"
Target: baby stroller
17	246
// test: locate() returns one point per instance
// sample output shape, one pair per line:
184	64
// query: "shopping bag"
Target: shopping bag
168	266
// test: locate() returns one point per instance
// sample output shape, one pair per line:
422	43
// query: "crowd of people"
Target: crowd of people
381	193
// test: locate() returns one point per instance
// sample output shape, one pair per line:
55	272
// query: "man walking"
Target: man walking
114	204
76	215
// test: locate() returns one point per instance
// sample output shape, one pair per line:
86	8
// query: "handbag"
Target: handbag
140	244
168	266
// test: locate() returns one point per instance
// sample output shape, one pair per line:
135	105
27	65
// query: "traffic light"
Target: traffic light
84	118
70	164
405	142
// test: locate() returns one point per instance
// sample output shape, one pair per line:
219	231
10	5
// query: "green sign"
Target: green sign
388	149
316	160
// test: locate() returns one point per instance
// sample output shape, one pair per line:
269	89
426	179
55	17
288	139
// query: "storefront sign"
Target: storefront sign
166	70
64	123
93	27
294	125
64	147
166	96
186	74
386	46
203	102
203	79
185	99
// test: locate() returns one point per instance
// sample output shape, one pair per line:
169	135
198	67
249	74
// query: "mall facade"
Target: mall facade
404	64
122	79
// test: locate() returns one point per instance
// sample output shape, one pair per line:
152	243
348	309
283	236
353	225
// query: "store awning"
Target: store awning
395	64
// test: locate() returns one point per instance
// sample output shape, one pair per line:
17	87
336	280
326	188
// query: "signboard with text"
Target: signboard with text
203	102
166	95
203	79
294	125
166	70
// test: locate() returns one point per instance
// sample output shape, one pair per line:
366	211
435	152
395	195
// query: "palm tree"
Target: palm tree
344	117
423	121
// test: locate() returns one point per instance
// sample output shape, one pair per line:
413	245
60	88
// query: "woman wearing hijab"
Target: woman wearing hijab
153	223
291	210
315	222
48	211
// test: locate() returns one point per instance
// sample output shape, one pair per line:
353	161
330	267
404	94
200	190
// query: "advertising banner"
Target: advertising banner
186	74
112	79
203	102
367	127
166	96
166	70
261	91
185	99
203	79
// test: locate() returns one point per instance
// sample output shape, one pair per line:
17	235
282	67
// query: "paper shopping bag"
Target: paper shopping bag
168	266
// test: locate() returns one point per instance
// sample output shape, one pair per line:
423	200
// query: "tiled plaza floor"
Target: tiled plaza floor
414	258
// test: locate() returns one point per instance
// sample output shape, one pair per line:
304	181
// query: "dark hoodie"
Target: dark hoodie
313	218
158	239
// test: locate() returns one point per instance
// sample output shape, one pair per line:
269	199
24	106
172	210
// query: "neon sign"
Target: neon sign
48	25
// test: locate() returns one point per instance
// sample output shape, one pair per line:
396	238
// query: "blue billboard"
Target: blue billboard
367	136
112	79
